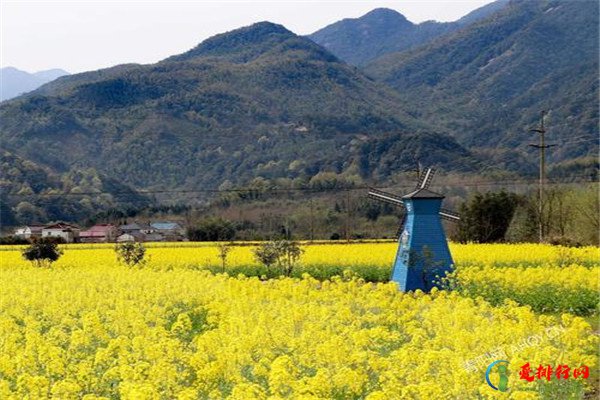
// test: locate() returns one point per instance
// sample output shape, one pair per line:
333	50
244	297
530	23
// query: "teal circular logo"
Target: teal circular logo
502	372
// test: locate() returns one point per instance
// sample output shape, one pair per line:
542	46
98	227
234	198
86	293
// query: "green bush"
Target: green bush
284	254
130	253
42	253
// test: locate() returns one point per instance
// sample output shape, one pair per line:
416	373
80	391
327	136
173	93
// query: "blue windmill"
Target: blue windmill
423	250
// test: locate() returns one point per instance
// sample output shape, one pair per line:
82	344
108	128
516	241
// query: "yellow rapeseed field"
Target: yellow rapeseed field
88	328
378	254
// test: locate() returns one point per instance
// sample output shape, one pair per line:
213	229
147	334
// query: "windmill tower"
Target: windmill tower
422	246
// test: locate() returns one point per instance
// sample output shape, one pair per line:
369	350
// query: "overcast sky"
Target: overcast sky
85	35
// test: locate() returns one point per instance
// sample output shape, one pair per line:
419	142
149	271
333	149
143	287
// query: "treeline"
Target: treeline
570	216
567	216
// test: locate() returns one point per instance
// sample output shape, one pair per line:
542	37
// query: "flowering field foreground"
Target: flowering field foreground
548	278
107	332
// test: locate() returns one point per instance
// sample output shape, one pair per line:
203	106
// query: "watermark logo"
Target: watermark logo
505	352
558	373
561	371
501	371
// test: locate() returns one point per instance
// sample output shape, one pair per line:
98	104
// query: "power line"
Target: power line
470	183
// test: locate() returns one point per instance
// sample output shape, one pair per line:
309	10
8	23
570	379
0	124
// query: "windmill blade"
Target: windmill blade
449	215
385	197
401	226
425	179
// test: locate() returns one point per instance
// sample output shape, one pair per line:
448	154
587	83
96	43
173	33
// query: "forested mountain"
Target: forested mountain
257	102
30	193
488	83
14	82
381	31
262	107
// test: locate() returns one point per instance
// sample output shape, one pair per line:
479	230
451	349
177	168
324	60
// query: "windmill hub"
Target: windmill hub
423	254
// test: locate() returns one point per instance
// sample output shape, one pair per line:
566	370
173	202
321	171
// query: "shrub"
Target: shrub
12	240
130	253
42	253
285	254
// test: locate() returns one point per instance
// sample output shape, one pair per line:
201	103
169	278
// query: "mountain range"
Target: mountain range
488	83
381	31
262	104
14	82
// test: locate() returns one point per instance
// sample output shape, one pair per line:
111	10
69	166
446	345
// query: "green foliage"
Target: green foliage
284	254
27	188
224	250
485	217
42	253
570	216
130	254
12	240
542	299
212	230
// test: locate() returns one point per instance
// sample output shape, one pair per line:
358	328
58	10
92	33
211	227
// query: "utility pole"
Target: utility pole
542	146
347	215
312	221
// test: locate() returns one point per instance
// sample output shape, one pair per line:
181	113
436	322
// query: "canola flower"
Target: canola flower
378	254
546	288
98	331
547	278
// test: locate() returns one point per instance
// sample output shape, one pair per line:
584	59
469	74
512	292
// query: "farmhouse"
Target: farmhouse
131	237
99	233
171	231
140	237
137	227
67	232
29	232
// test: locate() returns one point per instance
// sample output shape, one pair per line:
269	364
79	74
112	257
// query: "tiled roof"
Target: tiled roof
138	235
165	226
101	228
135	226
61	225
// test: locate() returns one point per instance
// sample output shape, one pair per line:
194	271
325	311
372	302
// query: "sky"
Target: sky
84	35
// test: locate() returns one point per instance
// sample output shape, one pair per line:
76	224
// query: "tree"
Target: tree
130	253
283	253
588	214
224	250
27	213
42	253
266	254
571	216
485	217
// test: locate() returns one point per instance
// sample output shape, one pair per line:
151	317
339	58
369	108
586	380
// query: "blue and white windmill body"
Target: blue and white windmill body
423	255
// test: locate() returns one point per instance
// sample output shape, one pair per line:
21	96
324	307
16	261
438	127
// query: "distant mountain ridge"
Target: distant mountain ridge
488	83
381	31
255	103
14	82
251	42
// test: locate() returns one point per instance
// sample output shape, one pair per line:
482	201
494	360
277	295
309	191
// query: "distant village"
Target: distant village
164	231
